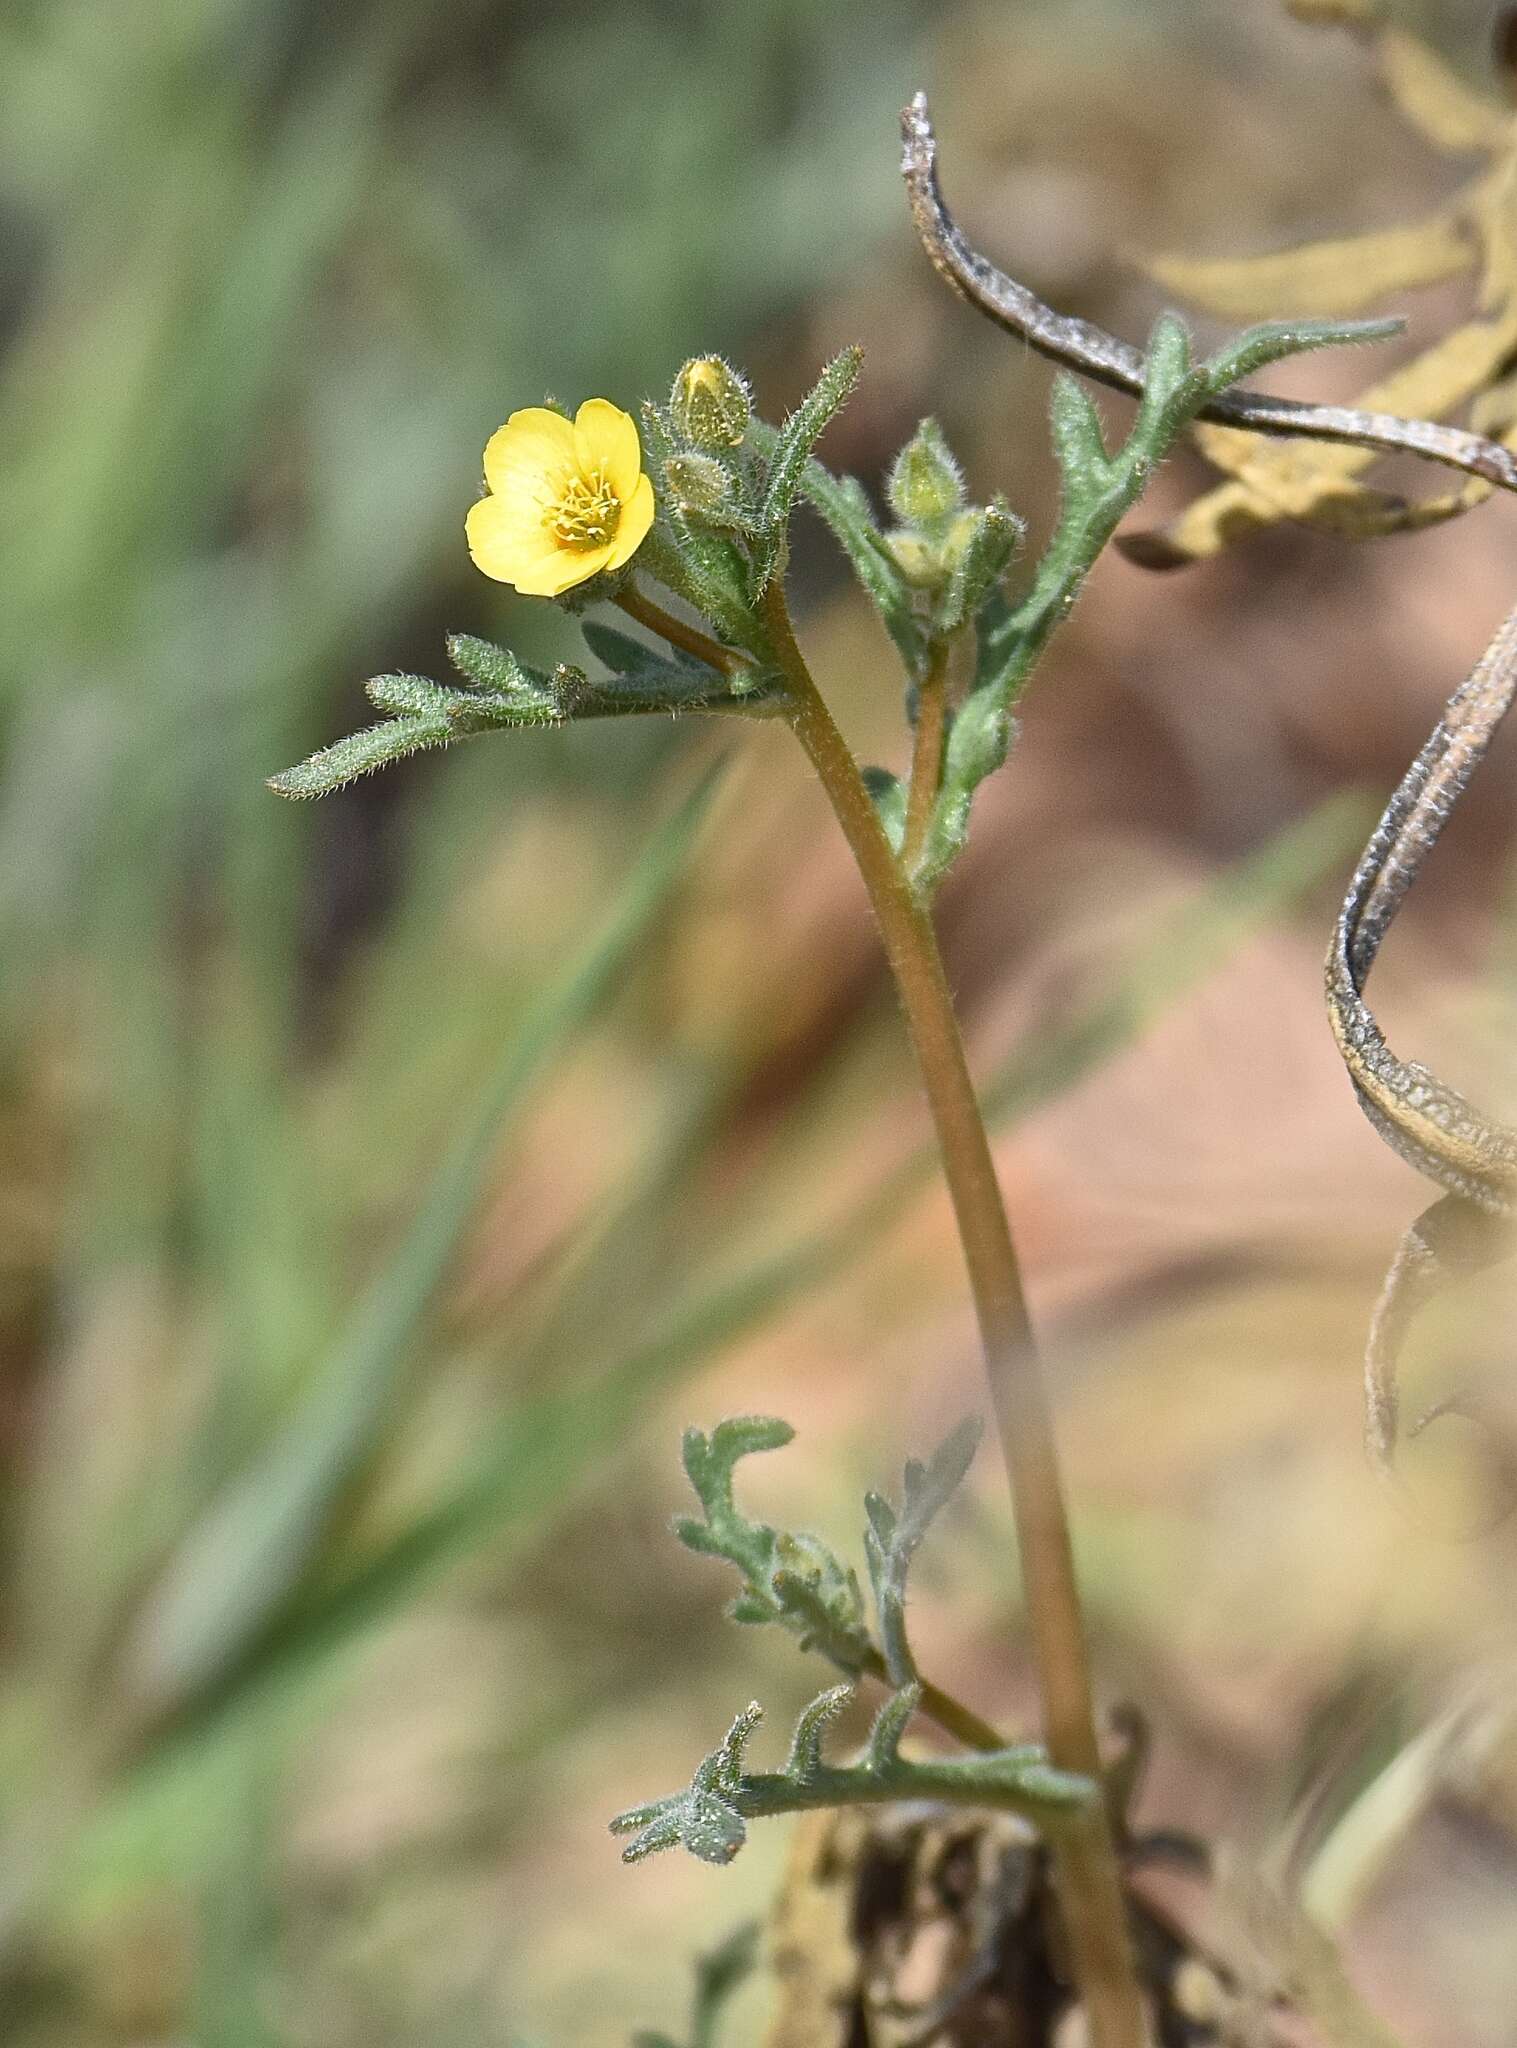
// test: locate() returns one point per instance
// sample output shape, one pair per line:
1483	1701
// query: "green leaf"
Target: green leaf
978	742
891	1540
496	669
800	434
361	753
883	1750
718	1975
805	1759
789	1577
235	1570
1270	343
430	715
1078	440
709	1817
845	510
644	680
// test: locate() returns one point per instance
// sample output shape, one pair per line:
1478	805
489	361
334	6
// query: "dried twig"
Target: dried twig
1082	346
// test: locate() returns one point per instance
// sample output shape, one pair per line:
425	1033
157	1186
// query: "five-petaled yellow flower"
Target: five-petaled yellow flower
567	499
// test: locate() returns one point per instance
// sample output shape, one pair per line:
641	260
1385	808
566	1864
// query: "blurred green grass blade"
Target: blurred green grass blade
238	1898
556	1441
234	1571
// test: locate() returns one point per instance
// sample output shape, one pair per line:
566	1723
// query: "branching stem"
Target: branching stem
679	633
1087	1859
926	753
950	1714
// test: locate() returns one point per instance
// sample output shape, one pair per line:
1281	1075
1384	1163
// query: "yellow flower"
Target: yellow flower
566	501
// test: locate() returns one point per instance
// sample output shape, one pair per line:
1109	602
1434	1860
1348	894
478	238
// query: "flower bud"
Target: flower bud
917	559
699	484
710	403
925	488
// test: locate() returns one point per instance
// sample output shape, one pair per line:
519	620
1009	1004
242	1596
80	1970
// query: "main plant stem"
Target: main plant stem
1088	1869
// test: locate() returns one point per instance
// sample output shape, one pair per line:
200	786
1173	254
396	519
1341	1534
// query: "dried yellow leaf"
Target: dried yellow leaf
1316	484
1323	278
1439	104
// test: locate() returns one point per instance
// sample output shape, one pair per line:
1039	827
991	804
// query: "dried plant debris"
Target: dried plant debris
921	1925
1469	371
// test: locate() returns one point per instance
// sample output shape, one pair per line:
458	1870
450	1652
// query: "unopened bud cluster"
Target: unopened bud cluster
939	535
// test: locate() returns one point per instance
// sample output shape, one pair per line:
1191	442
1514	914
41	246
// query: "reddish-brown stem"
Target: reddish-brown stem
1089	1873
926	753
637	605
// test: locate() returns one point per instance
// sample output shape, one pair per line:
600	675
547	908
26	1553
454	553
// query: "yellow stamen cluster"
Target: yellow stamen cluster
587	515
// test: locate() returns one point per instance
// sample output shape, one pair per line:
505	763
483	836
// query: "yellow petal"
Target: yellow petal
605	438
532	455
632	529
561	571
504	544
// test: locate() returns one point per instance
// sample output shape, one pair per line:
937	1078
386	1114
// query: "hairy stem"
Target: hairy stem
926	753
638	605
1087	1859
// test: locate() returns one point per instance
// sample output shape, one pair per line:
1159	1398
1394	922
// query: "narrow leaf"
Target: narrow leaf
361	753
801	432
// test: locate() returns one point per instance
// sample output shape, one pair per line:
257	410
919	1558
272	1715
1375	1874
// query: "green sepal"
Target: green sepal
710	403
709	572
981	558
703	487
925	487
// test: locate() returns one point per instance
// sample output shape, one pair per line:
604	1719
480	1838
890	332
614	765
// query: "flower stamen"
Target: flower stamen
586	514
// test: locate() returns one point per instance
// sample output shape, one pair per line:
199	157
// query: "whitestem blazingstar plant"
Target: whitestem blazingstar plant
685	527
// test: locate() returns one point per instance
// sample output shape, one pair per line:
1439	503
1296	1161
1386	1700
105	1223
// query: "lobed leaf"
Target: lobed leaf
891	1540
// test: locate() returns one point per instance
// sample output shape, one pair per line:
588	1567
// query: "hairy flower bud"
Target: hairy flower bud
925	487
917	559
710	403
699	483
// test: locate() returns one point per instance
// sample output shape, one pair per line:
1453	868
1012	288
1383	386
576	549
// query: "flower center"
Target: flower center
587	513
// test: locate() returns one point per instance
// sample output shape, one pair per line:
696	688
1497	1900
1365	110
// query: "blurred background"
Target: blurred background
384	1183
